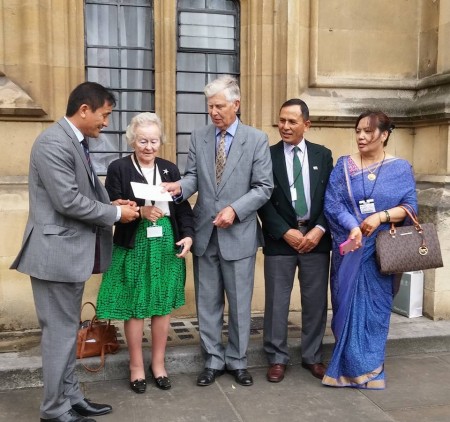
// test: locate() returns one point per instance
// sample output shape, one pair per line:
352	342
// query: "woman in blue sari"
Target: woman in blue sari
363	196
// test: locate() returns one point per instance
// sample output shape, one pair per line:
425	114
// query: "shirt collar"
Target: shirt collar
77	132
231	130
289	147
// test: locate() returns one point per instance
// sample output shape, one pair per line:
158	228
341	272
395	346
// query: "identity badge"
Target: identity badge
293	193
367	206
154	231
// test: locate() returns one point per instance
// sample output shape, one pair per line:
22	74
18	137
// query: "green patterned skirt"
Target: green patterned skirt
144	281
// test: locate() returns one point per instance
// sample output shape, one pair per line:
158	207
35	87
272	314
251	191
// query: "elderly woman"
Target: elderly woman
363	196
147	274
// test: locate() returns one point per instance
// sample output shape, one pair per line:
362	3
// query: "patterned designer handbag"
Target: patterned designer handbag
408	248
96	338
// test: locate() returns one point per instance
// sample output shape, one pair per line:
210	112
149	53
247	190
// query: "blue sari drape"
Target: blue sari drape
361	296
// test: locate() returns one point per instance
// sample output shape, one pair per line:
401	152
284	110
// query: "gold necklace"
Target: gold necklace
372	176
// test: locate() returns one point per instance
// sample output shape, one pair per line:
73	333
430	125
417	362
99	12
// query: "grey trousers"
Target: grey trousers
213	278
279	273
58	310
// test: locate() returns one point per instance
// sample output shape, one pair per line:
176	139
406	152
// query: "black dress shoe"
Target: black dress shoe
138	386
242	377
69	416
87	408
208	376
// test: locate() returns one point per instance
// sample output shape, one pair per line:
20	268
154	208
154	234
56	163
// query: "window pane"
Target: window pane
103	57
181	162
183	143
191	61
141	59
135	28
191	103
222	63
136	79
102	24
191	4
220	4
188	122
191	82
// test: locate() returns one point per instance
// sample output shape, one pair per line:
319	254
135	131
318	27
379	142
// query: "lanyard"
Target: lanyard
303	161
142	173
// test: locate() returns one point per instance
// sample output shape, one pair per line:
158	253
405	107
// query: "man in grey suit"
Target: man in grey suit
68	236
229	167
296	236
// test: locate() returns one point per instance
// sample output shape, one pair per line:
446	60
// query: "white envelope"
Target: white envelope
150	192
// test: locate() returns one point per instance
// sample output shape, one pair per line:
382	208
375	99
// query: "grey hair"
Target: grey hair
143	119
226	83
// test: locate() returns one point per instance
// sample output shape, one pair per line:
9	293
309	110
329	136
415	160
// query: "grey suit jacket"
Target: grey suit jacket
246	185
66	210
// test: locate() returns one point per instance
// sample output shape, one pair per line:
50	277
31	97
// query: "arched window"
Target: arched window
208	46
119	40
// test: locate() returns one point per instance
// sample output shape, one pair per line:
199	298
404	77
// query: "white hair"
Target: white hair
226	84
143	119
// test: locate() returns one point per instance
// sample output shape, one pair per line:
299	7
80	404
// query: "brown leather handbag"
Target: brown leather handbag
408	248
96	338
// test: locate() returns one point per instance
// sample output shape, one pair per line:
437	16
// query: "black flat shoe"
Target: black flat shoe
208	376
138	386
163	383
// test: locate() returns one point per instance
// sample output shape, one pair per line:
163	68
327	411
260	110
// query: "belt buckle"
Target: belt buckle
302	223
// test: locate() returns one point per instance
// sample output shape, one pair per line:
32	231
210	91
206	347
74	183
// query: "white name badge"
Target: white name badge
367	206
294	193
154	231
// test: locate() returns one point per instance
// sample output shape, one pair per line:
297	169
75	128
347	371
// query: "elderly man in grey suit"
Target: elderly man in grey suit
68	236
229	166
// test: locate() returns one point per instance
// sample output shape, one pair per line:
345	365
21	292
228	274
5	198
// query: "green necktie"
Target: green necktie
300	204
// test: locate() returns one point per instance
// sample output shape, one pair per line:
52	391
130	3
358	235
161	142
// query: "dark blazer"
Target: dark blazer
278	215
119	175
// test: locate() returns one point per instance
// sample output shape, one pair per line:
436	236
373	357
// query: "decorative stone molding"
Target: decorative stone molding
14	101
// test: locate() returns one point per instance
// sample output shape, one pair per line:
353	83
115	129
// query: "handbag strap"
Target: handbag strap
88	303
411	213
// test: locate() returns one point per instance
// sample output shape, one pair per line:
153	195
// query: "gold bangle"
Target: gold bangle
388	217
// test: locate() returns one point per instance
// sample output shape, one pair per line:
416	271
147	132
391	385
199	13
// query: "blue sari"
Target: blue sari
361	296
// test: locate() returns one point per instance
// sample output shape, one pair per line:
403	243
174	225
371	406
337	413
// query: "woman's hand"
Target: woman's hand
370	224
151	213
186	243
356	234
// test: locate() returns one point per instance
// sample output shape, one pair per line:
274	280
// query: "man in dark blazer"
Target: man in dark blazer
227	233
296	236
68	236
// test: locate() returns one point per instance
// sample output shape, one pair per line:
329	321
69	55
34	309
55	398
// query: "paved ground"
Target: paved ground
417	367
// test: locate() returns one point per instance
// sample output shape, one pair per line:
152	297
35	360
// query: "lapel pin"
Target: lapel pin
165	171
315	168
